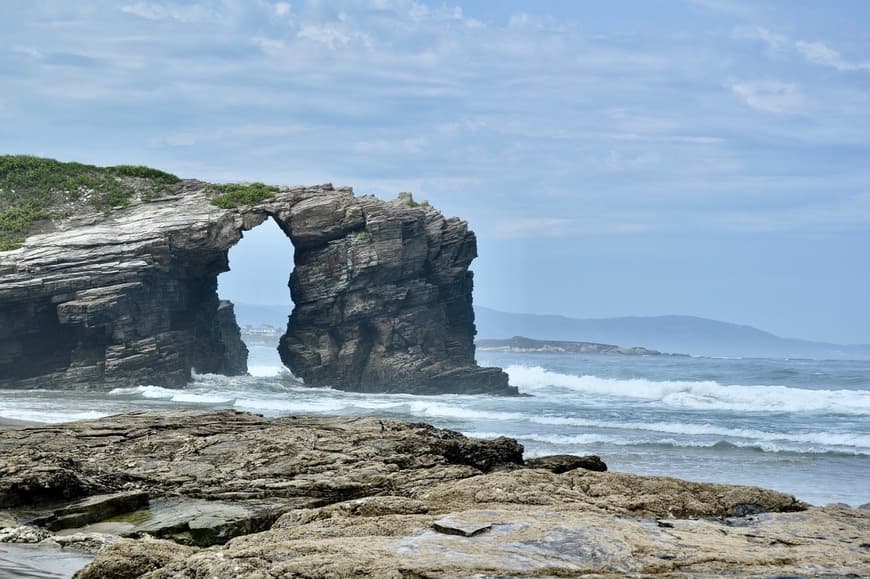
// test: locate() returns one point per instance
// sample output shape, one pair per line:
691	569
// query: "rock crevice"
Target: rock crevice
382	293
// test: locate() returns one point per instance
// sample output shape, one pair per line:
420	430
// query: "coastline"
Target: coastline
234	493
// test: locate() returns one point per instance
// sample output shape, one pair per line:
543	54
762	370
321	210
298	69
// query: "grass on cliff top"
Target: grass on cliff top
34	189
234	194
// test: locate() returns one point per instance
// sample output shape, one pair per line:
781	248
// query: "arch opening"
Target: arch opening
260	265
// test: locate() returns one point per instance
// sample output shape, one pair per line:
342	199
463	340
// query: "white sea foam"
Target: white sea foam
49	416
265	371
702	395
556	439
293	405
427	408
855	440
590	439
151	392
194	396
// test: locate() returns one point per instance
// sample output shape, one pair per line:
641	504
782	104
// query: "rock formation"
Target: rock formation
382	294
237	495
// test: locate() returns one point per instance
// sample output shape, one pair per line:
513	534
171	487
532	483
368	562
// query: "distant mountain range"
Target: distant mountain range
671	334
678	334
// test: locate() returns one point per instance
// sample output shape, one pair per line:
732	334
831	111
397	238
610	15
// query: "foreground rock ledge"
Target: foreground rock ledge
365	497
382	294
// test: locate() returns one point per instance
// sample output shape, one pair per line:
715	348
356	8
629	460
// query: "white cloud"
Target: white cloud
651	138
770	96
518	20
820	53
733	7
281	8
812	52
158	11
28	52
411	145
334	35
190	137
775	42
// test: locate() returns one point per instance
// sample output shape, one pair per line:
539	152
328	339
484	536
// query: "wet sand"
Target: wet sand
39	562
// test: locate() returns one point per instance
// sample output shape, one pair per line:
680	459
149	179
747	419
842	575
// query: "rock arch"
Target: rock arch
381	290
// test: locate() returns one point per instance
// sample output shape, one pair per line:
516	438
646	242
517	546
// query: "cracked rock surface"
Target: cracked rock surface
337	497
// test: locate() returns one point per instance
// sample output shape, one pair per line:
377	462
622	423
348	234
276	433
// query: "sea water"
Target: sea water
798	426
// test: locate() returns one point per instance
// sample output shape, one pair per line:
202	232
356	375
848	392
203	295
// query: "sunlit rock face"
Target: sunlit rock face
382	295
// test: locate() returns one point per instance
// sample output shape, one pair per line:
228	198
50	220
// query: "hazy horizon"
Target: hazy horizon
691	157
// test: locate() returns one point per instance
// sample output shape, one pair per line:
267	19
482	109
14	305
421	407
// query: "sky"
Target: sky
648	157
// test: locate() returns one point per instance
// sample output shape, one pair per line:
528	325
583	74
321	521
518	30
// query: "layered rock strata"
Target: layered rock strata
362	497
382	295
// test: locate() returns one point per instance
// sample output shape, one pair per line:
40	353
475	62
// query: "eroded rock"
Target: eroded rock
559	463
464	525
523	541
361	497
23	534
95	508
382	295
214	476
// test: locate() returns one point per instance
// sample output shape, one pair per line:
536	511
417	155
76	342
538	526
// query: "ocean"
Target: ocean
797	426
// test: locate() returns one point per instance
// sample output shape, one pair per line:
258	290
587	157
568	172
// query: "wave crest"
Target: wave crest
702	395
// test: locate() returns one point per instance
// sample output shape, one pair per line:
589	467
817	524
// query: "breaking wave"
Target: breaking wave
781	445
702	395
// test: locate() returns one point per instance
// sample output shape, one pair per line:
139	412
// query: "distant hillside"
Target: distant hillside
685	334
258	315
527	345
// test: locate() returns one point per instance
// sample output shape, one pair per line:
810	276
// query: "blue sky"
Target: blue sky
703	157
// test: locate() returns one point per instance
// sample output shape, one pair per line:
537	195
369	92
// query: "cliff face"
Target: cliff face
382	295
382	298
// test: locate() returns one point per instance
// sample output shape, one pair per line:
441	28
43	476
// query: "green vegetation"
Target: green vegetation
15	223
143	173
423	203
234	194
34	189
363	236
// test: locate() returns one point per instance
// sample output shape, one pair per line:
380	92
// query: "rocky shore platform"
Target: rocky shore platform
230	494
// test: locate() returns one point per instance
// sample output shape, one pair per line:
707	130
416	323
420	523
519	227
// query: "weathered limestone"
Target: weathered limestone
382	295
340	497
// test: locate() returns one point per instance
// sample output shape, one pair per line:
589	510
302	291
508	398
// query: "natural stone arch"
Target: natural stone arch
381	292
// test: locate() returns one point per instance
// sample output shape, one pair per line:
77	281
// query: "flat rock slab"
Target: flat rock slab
521	543
195	521
525	540
96	508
